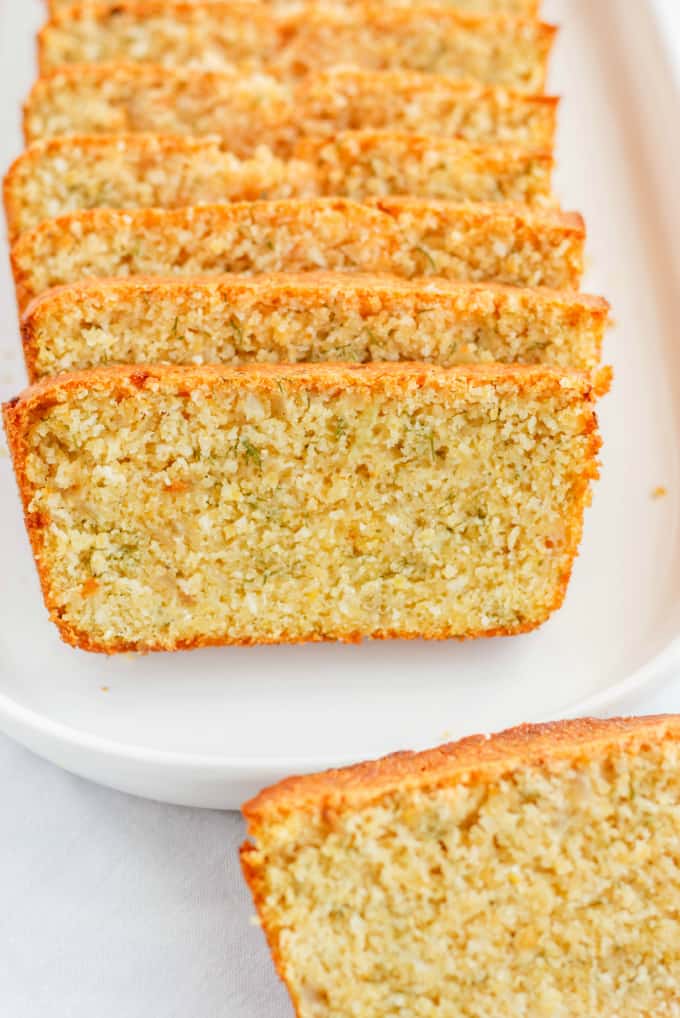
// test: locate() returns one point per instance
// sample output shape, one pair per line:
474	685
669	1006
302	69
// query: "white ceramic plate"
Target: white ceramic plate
210	727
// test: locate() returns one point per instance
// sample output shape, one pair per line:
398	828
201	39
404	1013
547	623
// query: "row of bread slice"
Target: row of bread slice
495	49
152	471
158	289
471	243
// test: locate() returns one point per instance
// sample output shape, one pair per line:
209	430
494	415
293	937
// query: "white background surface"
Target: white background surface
114	907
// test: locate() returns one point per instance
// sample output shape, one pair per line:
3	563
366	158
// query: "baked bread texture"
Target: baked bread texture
497	49
401	236
141	171
505	243
533	872
361	164
159	171
311	317
245	237
523	8
251	110
175	507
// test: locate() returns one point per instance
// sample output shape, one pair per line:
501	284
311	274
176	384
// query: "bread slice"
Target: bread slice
245	237
531	873
245	111
158	171
498	49
310	317
175	507
460	242
523	8
498	242
127	98
143	171
360	164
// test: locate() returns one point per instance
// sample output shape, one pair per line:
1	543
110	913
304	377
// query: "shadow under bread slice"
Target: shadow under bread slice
474	865
496	49
174	507
158	171
250	110
513	245
523	8
310	317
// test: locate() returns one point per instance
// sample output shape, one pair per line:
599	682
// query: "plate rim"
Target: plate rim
653	674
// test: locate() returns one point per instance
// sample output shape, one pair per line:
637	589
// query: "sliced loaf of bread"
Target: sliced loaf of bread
533	873
250	110
175	507
497	49
309	317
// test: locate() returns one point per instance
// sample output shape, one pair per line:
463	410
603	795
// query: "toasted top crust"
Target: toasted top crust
186	9
134	92
280	288
126	379
99	145
143	75
299	210
528	8
473	760
307	148
304	210
395	205
263	35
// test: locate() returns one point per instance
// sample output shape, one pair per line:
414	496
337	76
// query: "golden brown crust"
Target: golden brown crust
143	146
554	217
486	161
279	289
138	78
124	380
473	760
187	10
527	8
105	222
184	8
287	26
470	760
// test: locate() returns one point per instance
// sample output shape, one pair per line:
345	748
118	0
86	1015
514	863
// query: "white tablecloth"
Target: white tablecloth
114	907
